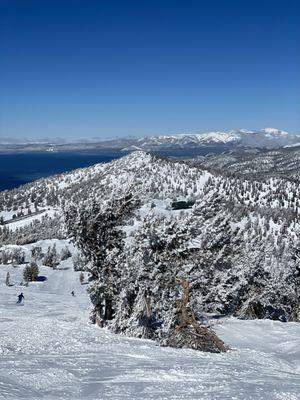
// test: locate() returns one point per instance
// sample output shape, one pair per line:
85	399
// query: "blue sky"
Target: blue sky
116	68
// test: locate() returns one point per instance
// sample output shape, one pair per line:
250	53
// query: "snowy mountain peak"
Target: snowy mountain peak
266	138
219	137
263	138
274	132
139	157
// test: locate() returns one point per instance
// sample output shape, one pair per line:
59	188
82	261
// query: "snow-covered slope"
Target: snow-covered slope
236	239
255	164
49	351
274	132
183	140
257	222
266	138
147	225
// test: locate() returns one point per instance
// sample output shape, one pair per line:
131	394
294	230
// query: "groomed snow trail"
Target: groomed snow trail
48	350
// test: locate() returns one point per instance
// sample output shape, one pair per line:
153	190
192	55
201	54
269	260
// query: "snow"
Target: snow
274	132
271	137
292	145
222	137
50	351
189	138
7	214
31	218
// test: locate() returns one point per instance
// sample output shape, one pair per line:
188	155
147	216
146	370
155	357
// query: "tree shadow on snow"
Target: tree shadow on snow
41	278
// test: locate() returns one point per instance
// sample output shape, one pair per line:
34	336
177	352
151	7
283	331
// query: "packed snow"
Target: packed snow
50	351
26	220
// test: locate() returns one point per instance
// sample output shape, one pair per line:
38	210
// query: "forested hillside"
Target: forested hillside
165	241
256	163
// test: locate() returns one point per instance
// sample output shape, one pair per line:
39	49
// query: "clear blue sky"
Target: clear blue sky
114	68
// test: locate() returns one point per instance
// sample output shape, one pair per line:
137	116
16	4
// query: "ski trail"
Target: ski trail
49	351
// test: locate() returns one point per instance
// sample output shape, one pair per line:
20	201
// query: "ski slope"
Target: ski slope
48	350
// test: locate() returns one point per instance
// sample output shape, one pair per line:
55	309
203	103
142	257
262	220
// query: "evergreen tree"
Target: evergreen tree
51	259
31	272
7	281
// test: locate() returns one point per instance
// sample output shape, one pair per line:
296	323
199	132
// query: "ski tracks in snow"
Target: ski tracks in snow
49	351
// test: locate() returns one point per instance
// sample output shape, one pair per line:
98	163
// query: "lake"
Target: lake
18	169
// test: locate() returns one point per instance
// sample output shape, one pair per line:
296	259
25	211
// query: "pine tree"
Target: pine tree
36	253
65	253
81	278
50	259
31	272
7	281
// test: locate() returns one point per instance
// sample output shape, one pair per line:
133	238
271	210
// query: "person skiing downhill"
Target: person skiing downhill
20	298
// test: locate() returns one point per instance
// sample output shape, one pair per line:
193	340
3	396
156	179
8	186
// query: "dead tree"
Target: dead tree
187	331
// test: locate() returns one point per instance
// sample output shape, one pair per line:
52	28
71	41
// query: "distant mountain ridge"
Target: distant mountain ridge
264	138
258	164
267	137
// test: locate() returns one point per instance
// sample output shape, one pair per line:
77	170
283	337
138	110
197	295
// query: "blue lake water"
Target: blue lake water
18	169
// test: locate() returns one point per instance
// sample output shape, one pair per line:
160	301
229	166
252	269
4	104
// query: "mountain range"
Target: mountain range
264	138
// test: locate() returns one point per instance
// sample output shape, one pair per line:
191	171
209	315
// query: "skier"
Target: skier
72	293
20	298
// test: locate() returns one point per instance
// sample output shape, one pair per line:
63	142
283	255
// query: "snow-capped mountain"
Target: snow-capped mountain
190	139
151	222
214	141
274	132
268	137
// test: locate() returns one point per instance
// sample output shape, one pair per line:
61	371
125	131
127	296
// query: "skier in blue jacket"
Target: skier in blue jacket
20	298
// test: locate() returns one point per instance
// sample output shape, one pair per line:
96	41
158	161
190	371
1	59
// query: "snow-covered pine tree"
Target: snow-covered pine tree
51	258
81	278
31	272
7	280
137	292
97	233
65	253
